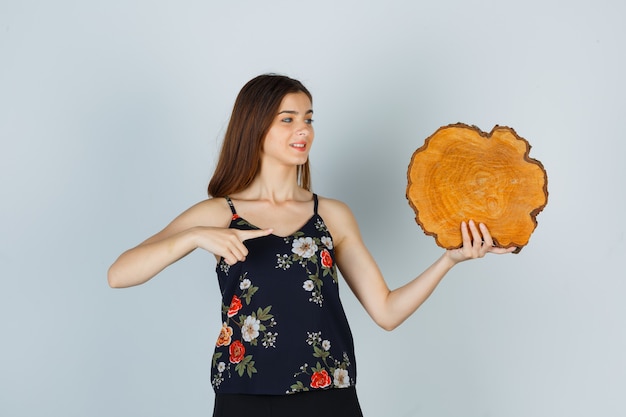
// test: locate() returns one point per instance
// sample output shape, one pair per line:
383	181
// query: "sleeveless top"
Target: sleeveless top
284	329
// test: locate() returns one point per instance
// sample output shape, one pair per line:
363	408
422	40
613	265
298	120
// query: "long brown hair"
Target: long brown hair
254	110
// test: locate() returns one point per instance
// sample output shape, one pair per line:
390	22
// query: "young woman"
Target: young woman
285	347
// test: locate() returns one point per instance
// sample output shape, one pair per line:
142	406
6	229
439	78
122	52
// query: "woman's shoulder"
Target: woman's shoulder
209	212
337	216
210	204
332	205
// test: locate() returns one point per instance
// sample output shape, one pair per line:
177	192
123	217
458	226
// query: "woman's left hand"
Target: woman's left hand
477	242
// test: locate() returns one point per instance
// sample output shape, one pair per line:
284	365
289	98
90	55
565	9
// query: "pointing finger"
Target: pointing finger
253	234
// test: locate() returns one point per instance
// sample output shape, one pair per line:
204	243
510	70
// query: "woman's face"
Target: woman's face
289	139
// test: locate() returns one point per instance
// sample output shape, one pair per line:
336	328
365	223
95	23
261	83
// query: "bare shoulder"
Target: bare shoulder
332	207
210	212
213	212
338	217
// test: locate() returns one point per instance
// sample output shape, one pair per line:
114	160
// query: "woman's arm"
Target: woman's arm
390	308
204	225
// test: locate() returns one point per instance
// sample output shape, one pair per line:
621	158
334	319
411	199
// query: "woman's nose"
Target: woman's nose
304	129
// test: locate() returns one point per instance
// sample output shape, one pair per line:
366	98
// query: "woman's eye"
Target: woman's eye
287	120
309	121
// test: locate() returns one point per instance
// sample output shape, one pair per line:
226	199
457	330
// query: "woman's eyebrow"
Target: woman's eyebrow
294	112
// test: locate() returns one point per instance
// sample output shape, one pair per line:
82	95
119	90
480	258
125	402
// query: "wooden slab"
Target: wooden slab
463	173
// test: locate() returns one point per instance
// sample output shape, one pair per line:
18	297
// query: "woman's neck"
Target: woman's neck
278	184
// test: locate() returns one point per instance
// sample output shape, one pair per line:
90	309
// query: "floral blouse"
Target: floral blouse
284	329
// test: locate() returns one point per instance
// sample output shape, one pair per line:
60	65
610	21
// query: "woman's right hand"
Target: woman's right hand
204	225
226	243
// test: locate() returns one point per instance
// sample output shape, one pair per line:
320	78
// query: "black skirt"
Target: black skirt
339	402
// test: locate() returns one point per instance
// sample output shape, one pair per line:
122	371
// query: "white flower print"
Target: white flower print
326	345
317	298
320	226
221	367
217	380
304	247
250	329
224	267
245	284
283	262
313	338
270	339
341	379
318	266
327	241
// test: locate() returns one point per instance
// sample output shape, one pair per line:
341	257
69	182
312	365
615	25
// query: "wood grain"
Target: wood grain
463	173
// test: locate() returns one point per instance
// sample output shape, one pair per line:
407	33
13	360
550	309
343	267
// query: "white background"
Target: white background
111	114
